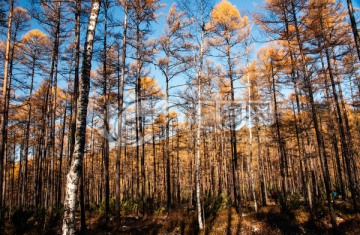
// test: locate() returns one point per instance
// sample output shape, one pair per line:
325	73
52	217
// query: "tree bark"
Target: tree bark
281	142
105	115
76	78
354	26
5	104
198	141
120	111
73	176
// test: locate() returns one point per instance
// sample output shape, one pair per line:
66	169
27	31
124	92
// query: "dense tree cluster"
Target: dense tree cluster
99	107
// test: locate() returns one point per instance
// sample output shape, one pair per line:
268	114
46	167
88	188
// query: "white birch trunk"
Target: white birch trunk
73	176
250	131
198	141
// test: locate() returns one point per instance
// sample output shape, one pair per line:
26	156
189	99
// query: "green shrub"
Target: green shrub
94	206
294	202
212	205
129	205
160	211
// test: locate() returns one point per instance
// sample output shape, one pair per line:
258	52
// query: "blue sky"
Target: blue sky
246	7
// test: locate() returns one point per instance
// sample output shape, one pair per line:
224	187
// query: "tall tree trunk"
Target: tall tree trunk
260	159
59	180
68	227
120	100
250	133
354	26
53	108
198	140
138	110
105	116
167	143
27	133
5	104
233	140
76	78
154	160
280	141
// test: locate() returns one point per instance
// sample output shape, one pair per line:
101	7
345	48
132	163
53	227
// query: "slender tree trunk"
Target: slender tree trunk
167	143
27	133
154	160
198	159
349	138
5	104
105	116
137	111
198	140
261	164
250	134
280	141
233	140
59	183
76	164
53	109
354	26
120	111
76	78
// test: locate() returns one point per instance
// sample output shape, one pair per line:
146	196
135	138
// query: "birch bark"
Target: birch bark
76	163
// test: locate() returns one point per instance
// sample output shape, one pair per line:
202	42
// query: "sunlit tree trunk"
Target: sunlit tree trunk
5	104
354	26
76	164
105	114
76	78
60	171
120	100
250	131
53	108
280	140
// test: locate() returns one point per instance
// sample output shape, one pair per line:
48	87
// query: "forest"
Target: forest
179	117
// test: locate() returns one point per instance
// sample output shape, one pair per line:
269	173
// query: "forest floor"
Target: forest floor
268	220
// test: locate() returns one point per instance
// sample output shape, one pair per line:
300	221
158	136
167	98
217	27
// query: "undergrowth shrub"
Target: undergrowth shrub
129	205
212	205
294	202
19	219
160	210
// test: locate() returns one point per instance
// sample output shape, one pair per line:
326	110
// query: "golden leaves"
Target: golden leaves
173	114
226	17
226	14
34	43
35	34
150	87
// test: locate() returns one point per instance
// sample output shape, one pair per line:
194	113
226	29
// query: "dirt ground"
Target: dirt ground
268	220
